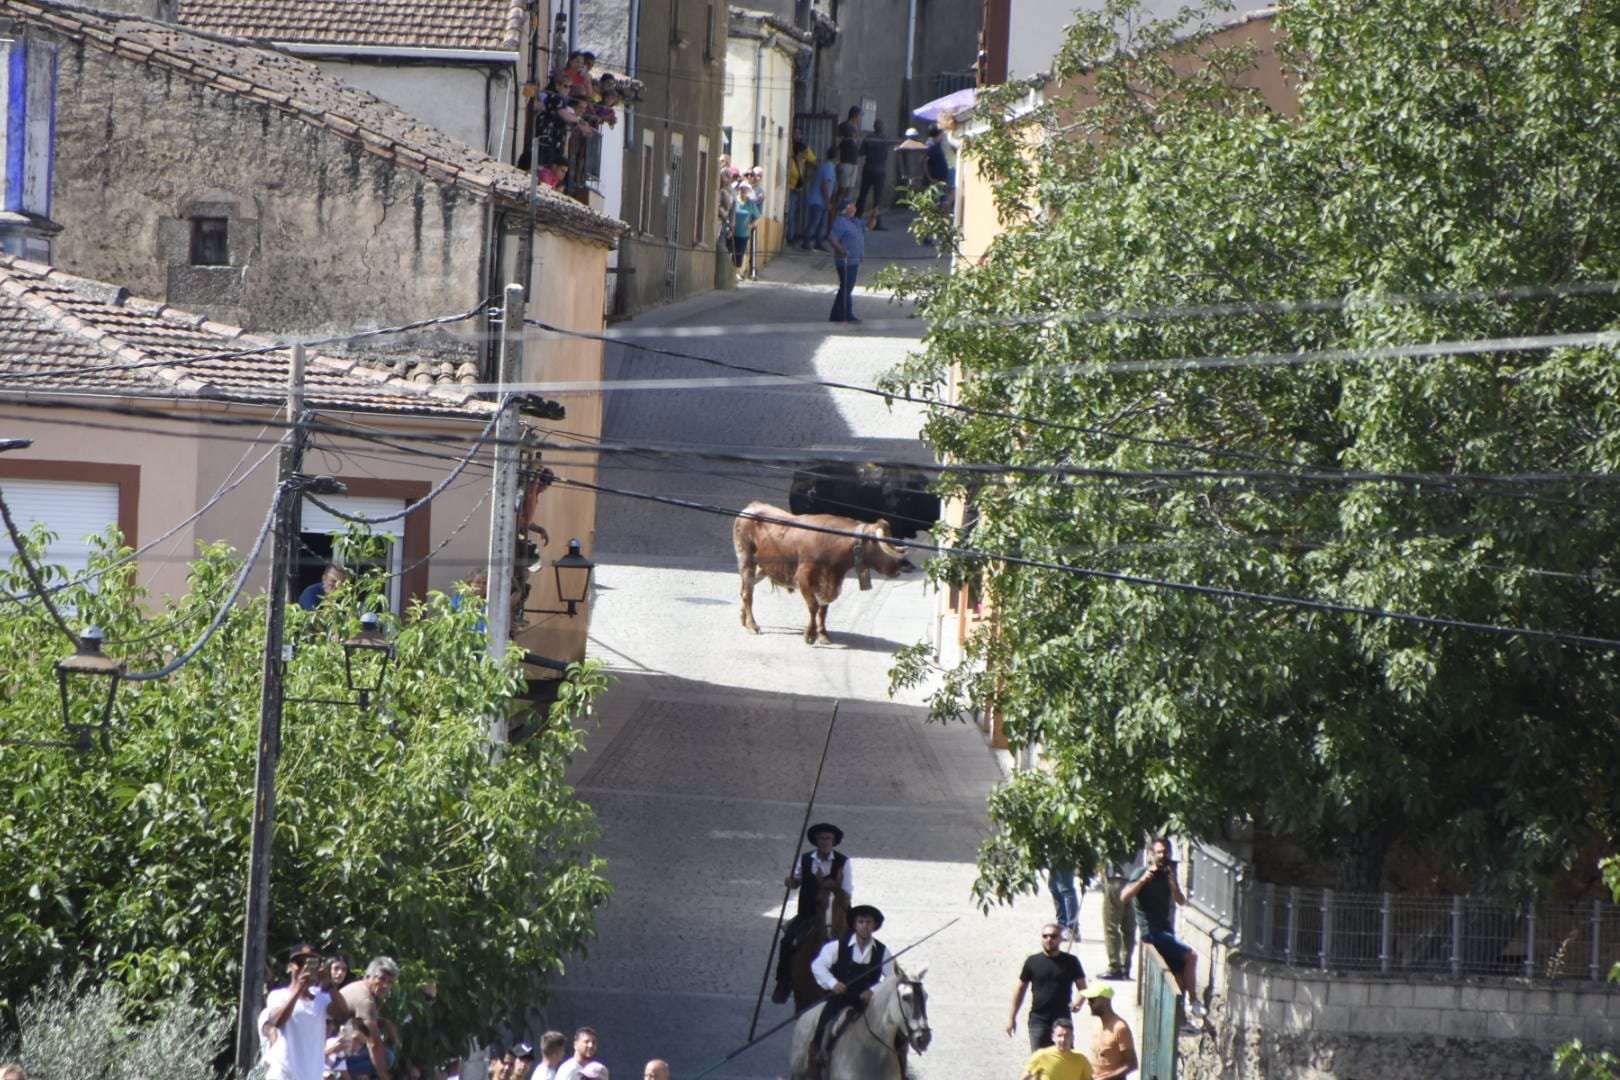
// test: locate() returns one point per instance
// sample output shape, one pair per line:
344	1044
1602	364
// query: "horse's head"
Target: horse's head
911	1002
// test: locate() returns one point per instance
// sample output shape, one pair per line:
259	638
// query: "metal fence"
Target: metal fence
1394	933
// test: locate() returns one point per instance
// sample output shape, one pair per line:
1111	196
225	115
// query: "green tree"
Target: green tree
397	831
1573	1057
1206	301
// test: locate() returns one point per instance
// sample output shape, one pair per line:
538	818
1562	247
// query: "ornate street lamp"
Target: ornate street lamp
366	659
87	664
573	572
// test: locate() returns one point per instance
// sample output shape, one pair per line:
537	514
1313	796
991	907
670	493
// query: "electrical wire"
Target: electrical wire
434	493
1559	637
224	608
34	579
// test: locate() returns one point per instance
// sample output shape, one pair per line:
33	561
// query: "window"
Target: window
644	222
73	499
319	530
708	34
210	241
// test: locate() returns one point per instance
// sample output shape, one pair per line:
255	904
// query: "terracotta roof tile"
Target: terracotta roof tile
431	24
61	334
318	97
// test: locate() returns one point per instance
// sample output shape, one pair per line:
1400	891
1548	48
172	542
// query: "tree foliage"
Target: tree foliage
397	832
1212	303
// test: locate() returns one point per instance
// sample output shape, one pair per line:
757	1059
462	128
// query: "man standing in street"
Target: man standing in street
1060	1061
1119	921
849	152
875	151
1113	1052
1156	893
292	1024
1054	975
584	1055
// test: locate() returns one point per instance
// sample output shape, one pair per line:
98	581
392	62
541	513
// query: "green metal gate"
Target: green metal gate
1161	1016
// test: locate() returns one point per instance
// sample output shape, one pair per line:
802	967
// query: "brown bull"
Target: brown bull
813	563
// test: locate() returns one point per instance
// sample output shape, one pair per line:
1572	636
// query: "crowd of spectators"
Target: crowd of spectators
565	118
740	206
325	1024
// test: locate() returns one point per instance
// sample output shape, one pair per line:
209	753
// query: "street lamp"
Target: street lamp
87	664
573	572
372	652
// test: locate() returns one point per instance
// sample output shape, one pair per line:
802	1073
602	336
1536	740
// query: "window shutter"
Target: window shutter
70	509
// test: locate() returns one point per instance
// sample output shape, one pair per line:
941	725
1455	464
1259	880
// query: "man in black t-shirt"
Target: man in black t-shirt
1054	975
1156	893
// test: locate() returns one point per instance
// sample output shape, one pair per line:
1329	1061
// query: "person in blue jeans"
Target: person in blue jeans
1065	896
818	201
848	239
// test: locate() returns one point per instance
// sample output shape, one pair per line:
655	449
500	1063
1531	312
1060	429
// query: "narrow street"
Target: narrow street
707	746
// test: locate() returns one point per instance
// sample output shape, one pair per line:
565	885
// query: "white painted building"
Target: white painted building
762	51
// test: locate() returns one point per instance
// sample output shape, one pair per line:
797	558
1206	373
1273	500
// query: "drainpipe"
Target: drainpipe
759	90
911	55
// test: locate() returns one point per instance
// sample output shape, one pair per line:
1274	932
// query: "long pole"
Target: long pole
504	497
255	929
770	957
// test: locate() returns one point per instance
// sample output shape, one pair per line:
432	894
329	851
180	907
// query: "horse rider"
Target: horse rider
819	868
849	969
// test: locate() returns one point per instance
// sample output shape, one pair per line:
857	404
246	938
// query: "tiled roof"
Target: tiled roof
431	24
302	89
62	334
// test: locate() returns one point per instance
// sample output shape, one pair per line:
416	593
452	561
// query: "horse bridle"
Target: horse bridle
905	1019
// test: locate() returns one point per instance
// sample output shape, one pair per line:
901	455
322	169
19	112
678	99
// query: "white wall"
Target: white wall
448	97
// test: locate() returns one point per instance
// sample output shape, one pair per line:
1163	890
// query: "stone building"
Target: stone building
260	191
457	66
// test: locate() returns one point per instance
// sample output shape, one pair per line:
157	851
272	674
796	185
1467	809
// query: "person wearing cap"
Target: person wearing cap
1113	1052
292	1024
848	239
849	969
742	222
1060	1061
522	1061
1053	975
822	867
584	1058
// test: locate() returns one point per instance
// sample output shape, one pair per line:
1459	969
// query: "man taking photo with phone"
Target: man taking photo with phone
292	1025
1156	893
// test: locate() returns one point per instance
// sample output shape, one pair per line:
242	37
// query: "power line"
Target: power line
1577	640
32	571
380	519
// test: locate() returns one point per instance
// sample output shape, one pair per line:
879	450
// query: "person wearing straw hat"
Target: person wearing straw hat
1113	1051
820	868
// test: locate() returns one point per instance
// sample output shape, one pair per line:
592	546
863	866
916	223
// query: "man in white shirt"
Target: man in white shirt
292	1025
584	1055
553	1050
813	871
849	969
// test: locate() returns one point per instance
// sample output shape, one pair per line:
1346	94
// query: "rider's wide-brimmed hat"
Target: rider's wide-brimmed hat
824	826
866	909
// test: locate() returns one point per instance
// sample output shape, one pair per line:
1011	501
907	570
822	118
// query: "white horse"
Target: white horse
871	1045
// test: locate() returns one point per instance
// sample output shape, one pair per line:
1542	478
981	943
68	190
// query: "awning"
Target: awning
950	103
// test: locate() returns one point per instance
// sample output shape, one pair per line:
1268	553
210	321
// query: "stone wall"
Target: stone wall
1271	1022
323	234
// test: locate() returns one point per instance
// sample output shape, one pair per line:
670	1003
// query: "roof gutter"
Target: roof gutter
394	52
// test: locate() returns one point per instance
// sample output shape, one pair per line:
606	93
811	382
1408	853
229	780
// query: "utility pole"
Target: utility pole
504	499
290	487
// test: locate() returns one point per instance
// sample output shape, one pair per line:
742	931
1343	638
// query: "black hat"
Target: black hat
866	909
823	826
523	1050
303	952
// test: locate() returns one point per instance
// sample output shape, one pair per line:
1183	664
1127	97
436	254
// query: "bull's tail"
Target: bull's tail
742	540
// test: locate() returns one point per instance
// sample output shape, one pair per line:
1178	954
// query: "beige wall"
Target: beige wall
770	73
570	289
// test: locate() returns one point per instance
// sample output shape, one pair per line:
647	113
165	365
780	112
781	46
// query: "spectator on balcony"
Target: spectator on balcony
555	176
577	72
554	117
312	597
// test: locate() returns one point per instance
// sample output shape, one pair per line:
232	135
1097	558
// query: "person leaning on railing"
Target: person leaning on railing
1156	894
